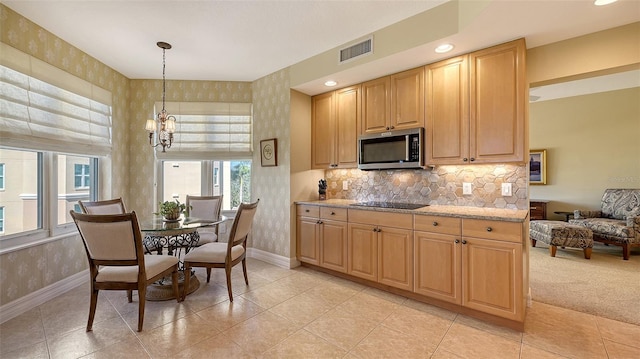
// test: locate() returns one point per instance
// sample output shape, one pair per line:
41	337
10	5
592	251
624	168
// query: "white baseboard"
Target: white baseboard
271	258
32	300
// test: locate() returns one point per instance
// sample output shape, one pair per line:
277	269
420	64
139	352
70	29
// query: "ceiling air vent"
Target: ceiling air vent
360	49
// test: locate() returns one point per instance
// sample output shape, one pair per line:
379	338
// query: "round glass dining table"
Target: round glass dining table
176	238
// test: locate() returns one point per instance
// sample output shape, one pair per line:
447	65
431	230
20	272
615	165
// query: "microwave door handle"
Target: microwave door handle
407	142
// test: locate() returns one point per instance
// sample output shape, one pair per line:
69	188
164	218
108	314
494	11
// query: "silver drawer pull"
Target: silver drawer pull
534	208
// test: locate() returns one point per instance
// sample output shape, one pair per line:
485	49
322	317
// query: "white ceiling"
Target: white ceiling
246	40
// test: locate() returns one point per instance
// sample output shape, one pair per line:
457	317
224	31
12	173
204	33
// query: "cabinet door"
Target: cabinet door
407	99
363	251
438	266
497	104
308	240
492	277
323	131
347	102
333	245
375	105
395	257
447	114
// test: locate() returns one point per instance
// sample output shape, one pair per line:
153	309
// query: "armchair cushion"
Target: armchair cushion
153	265
619	217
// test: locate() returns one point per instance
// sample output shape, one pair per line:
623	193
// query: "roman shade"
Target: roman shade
210	130
45	108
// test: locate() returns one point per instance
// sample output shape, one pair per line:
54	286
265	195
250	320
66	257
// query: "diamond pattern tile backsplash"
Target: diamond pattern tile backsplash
441	185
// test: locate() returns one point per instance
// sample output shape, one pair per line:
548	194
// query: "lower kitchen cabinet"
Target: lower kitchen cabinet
322	237
474	263
382	254
438	266
363	251
492	277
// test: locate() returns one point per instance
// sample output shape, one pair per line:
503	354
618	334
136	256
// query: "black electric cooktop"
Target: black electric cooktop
394	205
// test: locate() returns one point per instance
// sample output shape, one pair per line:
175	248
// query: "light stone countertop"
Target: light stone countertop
500	214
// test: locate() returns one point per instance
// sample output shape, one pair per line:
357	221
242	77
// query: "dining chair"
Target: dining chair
205	208
109	206
224	255
113	243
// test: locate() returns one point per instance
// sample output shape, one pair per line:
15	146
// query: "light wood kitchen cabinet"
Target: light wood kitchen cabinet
476	107
322	236
333	238
447	119
474	263
335	125
393	102
438	258
492	268
307	234
381	253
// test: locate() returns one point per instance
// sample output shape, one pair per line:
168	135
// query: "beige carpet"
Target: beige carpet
604	285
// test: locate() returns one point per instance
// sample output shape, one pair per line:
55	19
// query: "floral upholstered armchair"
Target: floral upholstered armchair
618	220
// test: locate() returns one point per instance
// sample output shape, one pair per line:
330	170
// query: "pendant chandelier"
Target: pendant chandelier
164	123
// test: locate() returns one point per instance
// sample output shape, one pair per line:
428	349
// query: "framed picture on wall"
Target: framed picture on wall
538	167
269	152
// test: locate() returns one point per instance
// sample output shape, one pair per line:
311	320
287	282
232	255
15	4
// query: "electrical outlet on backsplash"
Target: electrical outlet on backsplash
441	185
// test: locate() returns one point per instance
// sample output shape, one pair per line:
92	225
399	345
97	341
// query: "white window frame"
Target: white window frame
1	219
85	176
207	180
2	176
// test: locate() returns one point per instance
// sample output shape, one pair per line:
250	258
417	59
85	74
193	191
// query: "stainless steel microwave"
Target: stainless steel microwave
393	149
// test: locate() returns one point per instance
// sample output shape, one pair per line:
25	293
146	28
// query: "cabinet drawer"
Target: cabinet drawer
502	231
307	210
437	224
386	219
337	214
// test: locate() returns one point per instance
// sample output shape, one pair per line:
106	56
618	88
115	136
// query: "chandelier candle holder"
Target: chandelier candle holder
164	123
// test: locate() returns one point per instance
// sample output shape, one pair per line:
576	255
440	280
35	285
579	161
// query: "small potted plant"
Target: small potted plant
171	210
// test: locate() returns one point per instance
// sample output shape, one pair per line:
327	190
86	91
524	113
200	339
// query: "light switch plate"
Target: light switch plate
466	188
345	185
506	190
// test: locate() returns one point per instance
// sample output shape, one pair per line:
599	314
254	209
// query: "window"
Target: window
81	173
1	176
55	128
1	219
76	182
232	179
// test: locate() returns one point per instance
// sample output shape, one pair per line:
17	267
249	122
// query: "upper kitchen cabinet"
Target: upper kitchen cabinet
393	102
476	107
335	120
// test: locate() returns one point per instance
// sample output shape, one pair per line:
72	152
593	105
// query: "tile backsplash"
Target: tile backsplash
440	185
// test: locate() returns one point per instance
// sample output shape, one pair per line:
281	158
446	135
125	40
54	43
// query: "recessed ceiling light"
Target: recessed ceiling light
330	83
603	2
444	48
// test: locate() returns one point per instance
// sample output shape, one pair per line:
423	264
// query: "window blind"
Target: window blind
210	129
39	115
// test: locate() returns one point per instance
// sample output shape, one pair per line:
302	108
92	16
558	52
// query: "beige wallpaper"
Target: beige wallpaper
25	271
271	99
592	143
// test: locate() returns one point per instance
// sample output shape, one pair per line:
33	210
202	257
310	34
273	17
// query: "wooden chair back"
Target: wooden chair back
242	225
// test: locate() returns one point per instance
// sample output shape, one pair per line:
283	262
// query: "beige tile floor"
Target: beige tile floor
300	313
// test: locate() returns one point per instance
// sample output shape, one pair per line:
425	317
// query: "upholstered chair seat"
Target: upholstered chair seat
618	220
225	255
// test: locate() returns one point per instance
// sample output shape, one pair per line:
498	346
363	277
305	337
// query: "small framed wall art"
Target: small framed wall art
538	167
269	152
